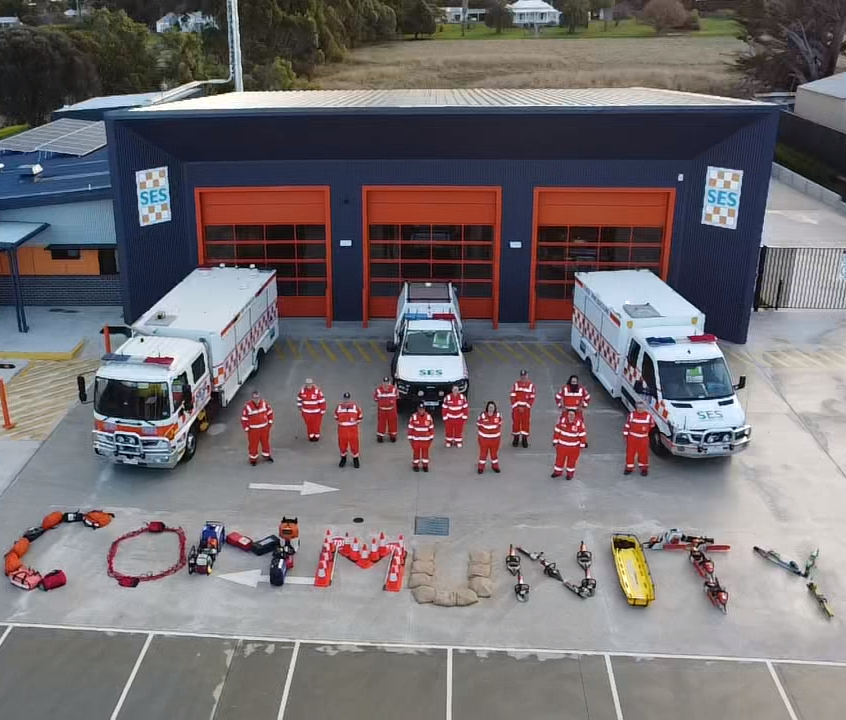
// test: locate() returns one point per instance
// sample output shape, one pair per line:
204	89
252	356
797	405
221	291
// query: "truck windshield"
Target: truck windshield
430	342
699	380
130	400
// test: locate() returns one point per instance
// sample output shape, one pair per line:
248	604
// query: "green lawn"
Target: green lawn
10	130
710	27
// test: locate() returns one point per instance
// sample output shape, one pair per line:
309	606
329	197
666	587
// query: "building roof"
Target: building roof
418	101
65	179
834	86
532	6
15	234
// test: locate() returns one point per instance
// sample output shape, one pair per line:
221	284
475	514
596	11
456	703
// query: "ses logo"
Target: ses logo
153	189
722	197
431	373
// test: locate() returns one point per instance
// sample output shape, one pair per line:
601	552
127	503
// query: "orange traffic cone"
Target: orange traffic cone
347	546
364	560
384	551
321	578
395	572
355	551
374	550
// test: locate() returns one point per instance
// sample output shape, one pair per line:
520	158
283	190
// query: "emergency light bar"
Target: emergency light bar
134	360
428	316
658	341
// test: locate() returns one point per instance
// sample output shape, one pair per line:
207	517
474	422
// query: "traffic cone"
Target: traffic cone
364	560
347	546
375	556
384	551
355	551
393	582
321	578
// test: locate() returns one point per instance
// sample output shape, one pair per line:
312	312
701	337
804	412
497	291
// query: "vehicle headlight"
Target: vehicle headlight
402	386
744	433
462	385
440	393
682	439
420	393
727	437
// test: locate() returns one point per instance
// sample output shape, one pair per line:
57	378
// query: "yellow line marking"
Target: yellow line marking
834	356
361	351
536	358
774	360
561	351
311	351
815	361
546	352
343	348
50	356
293	348
278	351
329	353
490	348
512	351
381	355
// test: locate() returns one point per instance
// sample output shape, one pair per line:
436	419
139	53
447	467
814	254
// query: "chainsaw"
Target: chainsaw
675	539
703	565
788	565
521	589
717	594
587	587
512	561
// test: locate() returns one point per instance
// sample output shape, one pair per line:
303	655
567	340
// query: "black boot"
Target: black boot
415	468
495	469
343	461
516	441
356	463
627	472
644	472
425	468
380	439
394	438
269	459
525	442
480	470
253	463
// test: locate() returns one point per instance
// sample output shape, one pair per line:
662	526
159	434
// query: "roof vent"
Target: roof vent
30	170
1	167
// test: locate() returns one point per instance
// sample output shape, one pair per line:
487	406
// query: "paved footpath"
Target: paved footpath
124	675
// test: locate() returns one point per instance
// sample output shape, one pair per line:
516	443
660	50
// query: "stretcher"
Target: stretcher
632	569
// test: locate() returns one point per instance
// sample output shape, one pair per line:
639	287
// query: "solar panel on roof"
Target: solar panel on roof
66	136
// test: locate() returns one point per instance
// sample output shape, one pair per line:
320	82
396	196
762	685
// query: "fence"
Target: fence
801	278
827	145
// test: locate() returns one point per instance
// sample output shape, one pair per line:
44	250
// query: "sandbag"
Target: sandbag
445	598
25	578
420	579
20	547
97	519
483	587
53	580
465	597
479	570
13	562
481	556
420	566
424	594
52	520
424	553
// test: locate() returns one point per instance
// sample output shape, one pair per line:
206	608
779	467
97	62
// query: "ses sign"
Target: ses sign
722	197
153	196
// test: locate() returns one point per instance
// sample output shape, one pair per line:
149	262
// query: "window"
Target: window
648	372
634	351
198	368
178	389
65	254
108	262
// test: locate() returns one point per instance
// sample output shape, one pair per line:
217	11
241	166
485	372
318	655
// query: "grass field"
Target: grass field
709	27
675	63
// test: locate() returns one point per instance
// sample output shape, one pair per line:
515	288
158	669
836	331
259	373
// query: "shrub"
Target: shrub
665	15
12	130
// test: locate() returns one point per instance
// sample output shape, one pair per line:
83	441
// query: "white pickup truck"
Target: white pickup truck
428	344
642	340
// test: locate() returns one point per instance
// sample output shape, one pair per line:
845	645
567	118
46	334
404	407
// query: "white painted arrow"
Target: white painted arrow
251	578
307	488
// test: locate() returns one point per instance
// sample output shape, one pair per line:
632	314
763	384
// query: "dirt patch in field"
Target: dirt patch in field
689	64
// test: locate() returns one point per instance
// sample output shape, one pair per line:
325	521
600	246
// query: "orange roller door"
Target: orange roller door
587	230
286	229
432	234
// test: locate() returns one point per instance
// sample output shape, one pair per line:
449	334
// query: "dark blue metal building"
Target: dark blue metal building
505	193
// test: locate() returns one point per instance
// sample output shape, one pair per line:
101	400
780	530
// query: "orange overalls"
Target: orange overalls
455	411
638	425
523	396
312	407
421	432
568	439
256	420
490	435
386	414
348	416
576	400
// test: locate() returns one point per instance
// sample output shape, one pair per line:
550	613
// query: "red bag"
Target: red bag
156	526
52	520
20	547
13	562
127	581
239	541
25	578
97	519
53	580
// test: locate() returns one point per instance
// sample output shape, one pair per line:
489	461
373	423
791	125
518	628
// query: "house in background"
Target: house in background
452	15
185	22
824	102
9	22
531	13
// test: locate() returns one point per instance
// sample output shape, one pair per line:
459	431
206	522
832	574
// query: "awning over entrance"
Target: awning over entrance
12	236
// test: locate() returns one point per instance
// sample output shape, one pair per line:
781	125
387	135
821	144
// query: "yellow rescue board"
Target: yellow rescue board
632	569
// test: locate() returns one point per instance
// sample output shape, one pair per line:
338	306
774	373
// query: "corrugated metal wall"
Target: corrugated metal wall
803	278
714	268
75	224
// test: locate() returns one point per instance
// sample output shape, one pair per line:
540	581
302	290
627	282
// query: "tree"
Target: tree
573	13
790	42
498	15
418	18
623	11
276	75
40	70
605	7
181	58
665	15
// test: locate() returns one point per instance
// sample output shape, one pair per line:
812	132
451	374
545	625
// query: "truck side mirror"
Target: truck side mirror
81	391
638	387
188	398
467	347
391	346
741	383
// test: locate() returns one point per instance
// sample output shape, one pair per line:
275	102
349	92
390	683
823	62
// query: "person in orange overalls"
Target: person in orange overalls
568	439
348	416
523	396
639	424
574	396
257	419
312	407
489	425
455	410
421	433
385	397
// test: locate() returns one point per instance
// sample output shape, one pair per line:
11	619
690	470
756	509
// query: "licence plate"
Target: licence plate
130	461
431	403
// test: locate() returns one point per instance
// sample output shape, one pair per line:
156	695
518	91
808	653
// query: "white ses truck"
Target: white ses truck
642	340
429	344
200	341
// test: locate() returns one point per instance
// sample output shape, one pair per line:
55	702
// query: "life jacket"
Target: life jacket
97	519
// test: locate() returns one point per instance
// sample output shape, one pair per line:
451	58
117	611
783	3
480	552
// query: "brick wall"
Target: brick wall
65	290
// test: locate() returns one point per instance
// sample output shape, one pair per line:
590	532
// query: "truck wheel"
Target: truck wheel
656	445
190	444
257	364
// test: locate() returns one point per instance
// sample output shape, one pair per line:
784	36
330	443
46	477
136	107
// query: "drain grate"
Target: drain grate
431	525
